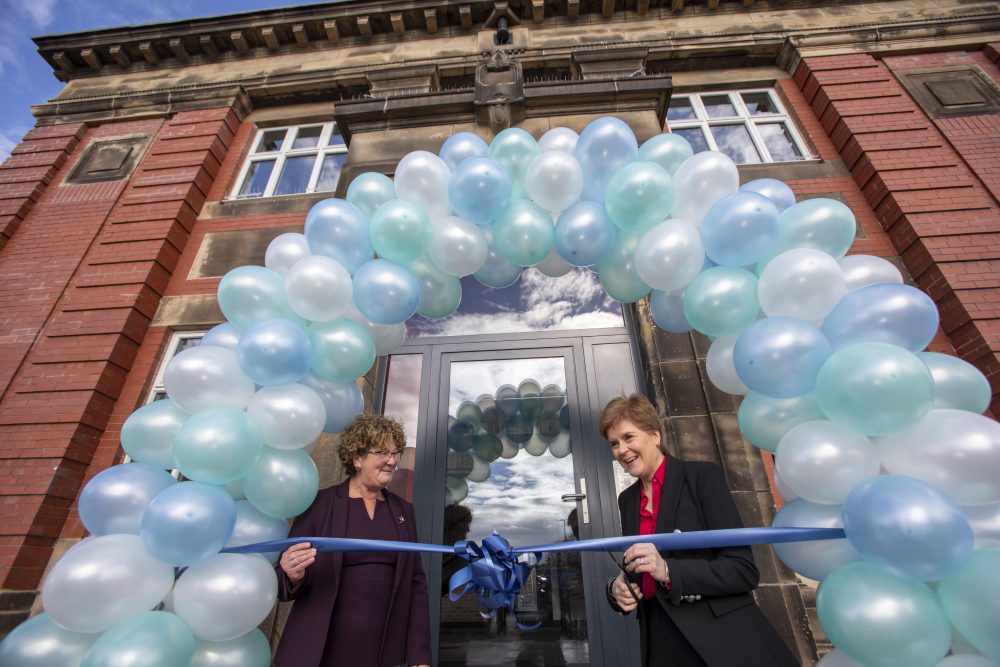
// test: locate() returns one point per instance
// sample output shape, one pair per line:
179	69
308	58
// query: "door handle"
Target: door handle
580	498
573	497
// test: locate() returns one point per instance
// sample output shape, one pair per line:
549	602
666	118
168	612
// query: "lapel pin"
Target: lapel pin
402	520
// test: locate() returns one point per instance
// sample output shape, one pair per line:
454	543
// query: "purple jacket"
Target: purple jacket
406	639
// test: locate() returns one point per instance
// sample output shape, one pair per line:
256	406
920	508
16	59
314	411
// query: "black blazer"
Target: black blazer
407	632
710	597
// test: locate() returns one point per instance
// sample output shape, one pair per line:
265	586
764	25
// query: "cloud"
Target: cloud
9	138
39	13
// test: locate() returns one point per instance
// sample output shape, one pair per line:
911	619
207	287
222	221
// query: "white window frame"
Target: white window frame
743	117
173	347
321	150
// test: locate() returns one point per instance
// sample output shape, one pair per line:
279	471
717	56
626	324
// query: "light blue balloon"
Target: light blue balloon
370	190
874	388
460	147
777	191
496	272
887	313
149	639
822	224
148	433
605	146
217	446
39	642
971	598
339	229
721	301
480	189
617	270
114	500
343	350
668	150
780	356
957	384
283	482
514	148
253	526
908	527
818	558
275	352
440	293
879	619
386	292
224	335
249	650
251	294
187	522
638	196
523	233
667	310
342	400
764	420
584	233
400	231
740	229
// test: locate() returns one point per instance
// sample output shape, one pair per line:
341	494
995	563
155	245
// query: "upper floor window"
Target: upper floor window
292	160
750	126
179	342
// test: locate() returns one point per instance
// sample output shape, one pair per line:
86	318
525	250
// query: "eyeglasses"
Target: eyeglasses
385	455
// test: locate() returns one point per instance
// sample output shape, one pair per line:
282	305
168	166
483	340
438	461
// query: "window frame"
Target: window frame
281	156
743	117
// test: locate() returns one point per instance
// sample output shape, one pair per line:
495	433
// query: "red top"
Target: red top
647	523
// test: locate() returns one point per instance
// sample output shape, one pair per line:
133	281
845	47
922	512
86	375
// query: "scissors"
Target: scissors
628	583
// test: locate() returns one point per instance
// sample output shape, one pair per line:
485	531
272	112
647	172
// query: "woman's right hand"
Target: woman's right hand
296	559
624	599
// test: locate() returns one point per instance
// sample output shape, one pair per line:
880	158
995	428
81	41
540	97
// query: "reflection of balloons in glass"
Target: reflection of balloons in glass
479	189
519	428
486	401
763	420
560	445
874	388
666	149
815	559
284	251
863	270
207	377
459	463
422	178
700	181
290	417
549	425
282	483
956	451
470	413
740	229
250	650
158	636
339	229
218	445
780	356
971	598
38	642
553	397
638	196
456	489
459	247
564	417
669	255
584	233
508	399
275	352
878	618
721	301
537	445
461	146
480	469
370	190
510	448
251	294
618	273
222	335
342	350
895	314
907	527
531	399
187	522
802	283
605	146
114	500
822	461
487	447
777	191
494	420
554	180
461	436
149	431
957	384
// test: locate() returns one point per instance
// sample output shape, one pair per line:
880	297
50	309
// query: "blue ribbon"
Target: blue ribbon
495	575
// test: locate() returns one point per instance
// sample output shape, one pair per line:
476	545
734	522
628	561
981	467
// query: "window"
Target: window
178	343
292	160
750	126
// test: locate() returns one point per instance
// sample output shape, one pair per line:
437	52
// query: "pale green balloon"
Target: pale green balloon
440	293
721	301
149	639
617	270
282	483
249	650
523	233
514	148
971	598
638	196
400	231
764	420
370	190
957	384
343	350
217	446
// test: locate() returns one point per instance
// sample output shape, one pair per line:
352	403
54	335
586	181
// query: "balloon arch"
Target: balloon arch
870	432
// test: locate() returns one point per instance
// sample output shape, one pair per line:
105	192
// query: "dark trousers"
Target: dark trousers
666	646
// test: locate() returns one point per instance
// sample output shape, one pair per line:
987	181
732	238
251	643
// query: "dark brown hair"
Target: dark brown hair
637	409
366	433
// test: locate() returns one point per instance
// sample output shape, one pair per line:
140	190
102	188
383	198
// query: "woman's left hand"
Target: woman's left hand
643	557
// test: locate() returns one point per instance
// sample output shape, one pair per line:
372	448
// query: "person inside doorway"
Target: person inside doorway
364	609
695	608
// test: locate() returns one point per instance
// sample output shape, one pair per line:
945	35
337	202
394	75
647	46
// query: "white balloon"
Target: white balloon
387	337
836	659
813	559
284	251
822	461
802	283
967	661
226	596
250	650
102	581
719	364
254	526
554	180
701	181
985	522
290	416
670	255
207	377
864	270
458	247
561	447
422	178
786	493
956	451
554	266
319	288
559	139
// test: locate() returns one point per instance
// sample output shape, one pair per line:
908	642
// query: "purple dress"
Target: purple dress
356	630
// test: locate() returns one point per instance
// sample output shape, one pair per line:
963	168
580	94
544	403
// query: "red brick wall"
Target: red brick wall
86	273
925	189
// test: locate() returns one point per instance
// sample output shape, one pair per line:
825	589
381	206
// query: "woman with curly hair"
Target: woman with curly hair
364	609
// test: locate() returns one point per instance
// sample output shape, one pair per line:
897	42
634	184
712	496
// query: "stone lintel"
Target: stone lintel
180	51
120	55
207	45
148	52
92	58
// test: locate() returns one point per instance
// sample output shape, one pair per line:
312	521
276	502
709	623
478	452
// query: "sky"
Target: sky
26	79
